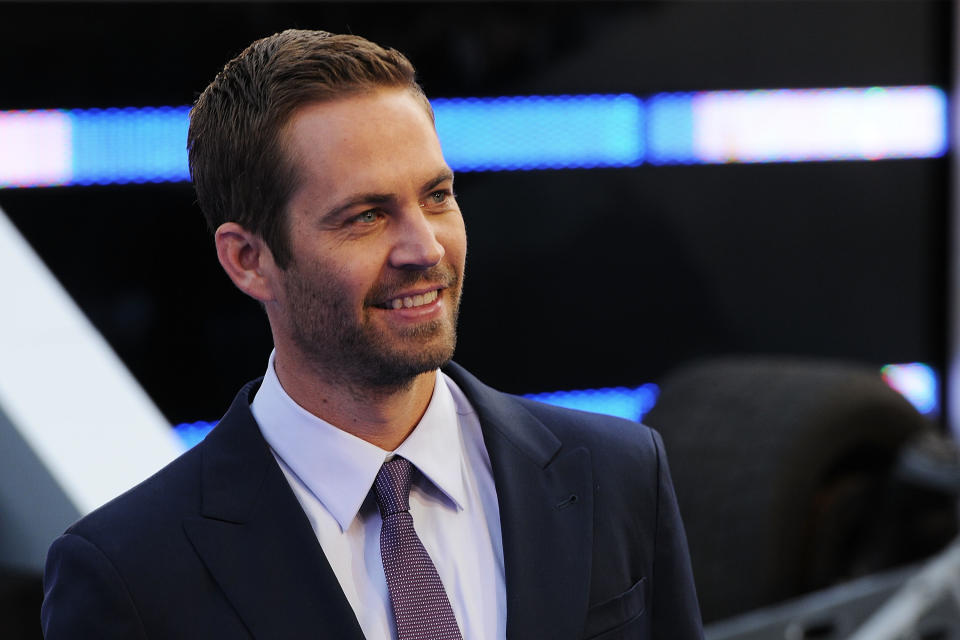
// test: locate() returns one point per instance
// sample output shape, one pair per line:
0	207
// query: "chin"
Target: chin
400	369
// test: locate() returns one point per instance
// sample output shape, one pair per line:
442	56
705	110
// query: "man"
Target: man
317	164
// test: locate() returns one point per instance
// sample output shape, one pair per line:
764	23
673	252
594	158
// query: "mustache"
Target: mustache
441	275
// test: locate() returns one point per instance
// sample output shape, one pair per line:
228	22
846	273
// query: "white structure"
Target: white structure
76	429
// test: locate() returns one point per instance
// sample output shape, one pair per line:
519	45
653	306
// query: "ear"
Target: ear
247	260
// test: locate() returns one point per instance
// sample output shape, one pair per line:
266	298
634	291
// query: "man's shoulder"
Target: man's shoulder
161	502
572	427
596	431
150	508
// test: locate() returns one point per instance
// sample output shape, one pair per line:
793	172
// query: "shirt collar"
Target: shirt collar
339	468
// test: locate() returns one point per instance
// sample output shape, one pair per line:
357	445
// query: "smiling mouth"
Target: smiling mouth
409	302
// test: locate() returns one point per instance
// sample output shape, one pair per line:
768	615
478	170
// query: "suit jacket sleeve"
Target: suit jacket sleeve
676	613
84	595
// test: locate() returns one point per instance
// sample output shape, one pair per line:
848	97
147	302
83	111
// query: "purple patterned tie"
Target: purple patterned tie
420	605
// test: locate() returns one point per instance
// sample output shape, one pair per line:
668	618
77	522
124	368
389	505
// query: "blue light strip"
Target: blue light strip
191	433
623	402
670	133
118	146
541	132
93	146
918	383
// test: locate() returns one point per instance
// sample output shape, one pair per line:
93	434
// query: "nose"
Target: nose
416	245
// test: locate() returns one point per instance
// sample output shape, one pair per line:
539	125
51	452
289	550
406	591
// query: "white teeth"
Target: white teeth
413	301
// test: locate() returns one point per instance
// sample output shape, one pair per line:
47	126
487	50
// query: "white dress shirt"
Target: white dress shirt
454	510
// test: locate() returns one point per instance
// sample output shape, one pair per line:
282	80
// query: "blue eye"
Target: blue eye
438	197
367	217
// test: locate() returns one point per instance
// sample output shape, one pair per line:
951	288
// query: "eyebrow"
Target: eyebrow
443	176
382	198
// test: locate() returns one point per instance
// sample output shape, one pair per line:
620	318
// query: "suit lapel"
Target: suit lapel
258	544
260	548
546	515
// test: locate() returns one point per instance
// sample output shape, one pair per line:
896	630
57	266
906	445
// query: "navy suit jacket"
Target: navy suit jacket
216	545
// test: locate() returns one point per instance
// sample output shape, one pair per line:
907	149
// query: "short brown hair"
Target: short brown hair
235	141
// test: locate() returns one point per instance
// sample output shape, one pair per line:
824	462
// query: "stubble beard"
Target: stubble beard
362	356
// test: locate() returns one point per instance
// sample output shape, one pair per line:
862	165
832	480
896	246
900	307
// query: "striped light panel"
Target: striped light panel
541	132
93	146
790	125
140	145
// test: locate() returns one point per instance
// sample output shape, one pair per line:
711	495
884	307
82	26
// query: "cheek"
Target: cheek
454	242
358	276
321	280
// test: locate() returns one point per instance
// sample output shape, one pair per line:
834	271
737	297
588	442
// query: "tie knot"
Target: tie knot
392	486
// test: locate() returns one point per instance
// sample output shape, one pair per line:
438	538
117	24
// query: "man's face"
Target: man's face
370	298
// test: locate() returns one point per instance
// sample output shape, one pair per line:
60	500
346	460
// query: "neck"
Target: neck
383	416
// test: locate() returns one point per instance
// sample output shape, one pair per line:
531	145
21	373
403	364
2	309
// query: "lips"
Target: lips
409	290
407	302
410	301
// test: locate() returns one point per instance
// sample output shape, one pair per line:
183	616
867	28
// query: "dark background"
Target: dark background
575	278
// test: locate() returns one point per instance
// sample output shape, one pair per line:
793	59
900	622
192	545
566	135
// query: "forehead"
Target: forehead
378	141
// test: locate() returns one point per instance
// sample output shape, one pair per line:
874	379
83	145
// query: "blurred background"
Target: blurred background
768	182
